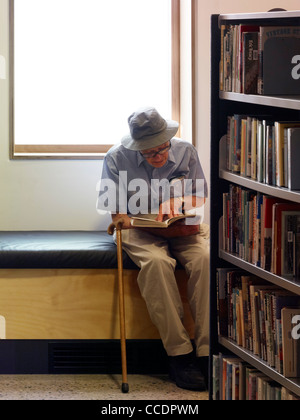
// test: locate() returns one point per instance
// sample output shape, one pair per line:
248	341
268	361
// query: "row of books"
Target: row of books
260	59
264	150
260	318
263	230
234	379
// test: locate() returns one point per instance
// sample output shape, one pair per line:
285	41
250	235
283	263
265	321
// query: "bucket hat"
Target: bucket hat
148	129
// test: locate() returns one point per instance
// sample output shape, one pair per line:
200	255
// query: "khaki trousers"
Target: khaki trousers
156	258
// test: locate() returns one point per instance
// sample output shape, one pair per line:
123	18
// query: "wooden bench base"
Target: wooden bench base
76	304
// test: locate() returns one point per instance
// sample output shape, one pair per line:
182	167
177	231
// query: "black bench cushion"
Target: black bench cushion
59	249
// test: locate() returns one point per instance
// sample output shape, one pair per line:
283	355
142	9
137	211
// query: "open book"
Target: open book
148	220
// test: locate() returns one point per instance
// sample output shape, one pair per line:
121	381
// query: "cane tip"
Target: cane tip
125	388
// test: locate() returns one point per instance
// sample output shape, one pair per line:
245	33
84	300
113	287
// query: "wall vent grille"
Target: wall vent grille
104	357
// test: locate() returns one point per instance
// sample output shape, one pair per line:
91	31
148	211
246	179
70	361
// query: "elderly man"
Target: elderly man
131	183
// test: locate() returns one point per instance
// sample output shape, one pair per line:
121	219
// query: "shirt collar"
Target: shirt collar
171	157
140	159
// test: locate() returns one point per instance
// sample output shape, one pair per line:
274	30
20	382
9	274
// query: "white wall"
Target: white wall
205	10
43	194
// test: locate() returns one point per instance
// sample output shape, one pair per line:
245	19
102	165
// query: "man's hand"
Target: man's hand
174	206
169	209
125	217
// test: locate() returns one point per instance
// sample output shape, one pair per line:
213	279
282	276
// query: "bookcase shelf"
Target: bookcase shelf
283	193
290	102
260	16
288	284
284	108
293	384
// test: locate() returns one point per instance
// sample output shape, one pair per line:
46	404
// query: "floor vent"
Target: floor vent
104	357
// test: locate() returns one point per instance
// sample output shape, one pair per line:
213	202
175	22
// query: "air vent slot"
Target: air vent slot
85	357
104	357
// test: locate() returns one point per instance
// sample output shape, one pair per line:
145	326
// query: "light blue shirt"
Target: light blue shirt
129	182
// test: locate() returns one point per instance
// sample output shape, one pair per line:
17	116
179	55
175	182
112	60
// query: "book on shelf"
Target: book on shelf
267	231
270	153
234	379
149	220
284	242
222	302
250	314
262	230
252	376
278	45
264	150
264	383
293	154
234	142
250	62
235	55
259	59
257	319
235	319
281	145
279	299
215	377
290	232
260	152
291	345
228	381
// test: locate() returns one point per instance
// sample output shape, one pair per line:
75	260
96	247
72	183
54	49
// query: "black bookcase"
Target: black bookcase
222	105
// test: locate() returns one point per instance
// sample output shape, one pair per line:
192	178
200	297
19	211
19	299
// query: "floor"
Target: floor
92	387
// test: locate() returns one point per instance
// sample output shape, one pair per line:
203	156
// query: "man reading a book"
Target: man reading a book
131	170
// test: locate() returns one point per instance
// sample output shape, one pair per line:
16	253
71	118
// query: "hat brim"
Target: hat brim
150	142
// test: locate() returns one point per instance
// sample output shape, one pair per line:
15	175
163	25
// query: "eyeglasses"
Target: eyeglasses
152	155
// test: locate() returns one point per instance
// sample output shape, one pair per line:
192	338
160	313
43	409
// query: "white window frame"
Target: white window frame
87	151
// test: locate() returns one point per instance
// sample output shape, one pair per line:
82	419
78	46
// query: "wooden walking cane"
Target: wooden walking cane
118	226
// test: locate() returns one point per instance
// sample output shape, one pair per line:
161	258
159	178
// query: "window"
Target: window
79	68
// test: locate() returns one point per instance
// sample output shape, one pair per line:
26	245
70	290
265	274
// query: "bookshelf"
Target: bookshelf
290	102
282	108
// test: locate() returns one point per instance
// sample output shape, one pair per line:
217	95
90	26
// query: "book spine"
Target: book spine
250	62
234	379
